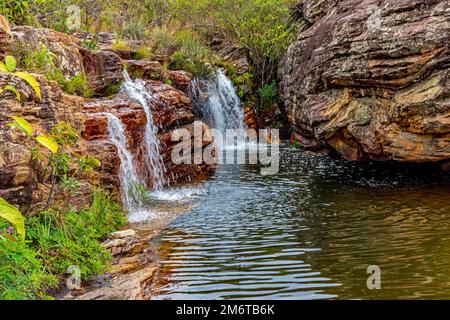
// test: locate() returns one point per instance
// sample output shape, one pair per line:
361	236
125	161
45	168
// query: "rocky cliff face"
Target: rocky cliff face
370	79
20	180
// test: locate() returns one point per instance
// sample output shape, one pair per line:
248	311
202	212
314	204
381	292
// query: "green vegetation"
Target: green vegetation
43	61
62	239
296	144
57	240
35	253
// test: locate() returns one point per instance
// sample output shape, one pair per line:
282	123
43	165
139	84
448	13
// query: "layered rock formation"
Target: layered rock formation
171	110
370	79
20	178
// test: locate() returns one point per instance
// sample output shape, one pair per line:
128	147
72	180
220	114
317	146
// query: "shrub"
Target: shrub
22	273
77	85
90	44
16	11
120	45
135	30
142	53
72	238
163	40
268	94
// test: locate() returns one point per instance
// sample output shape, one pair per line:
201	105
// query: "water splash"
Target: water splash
220	104
137	91
129	179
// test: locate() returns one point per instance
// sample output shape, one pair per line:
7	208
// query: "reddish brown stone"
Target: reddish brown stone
370	79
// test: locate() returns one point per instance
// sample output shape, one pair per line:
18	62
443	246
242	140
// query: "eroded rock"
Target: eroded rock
370	79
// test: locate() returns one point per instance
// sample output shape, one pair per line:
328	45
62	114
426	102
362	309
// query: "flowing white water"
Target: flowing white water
129	179
220	104
137	91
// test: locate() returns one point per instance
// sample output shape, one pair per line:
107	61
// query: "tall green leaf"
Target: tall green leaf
31	81
49	143
13	216
22	124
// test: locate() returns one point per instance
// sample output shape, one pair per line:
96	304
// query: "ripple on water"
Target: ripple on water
310	232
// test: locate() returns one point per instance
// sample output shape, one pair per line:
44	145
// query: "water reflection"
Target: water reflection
310	232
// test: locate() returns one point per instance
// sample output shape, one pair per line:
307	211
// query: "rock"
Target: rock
171	110
20	178
5	37
66	48
250	117
103	69
180	79
153	70
370	79
125	286
123	234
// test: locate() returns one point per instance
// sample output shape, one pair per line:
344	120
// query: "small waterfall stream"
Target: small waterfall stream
219	103
137	91
129	179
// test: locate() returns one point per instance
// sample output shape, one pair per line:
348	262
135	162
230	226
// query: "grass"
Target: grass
55	241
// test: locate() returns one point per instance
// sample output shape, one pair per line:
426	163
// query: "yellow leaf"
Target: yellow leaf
31	81
49	143
13	90
10	63
3	67
13	216
22	124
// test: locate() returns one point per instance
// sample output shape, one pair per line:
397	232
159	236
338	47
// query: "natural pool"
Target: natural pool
310	232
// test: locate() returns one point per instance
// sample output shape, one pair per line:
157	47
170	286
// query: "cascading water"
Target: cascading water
137	91
220	104
129	179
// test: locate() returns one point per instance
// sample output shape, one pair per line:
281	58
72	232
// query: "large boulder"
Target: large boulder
103	69
370	79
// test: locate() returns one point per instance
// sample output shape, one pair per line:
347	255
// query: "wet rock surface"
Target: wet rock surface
370	79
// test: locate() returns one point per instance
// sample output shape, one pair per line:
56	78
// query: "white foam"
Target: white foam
177	194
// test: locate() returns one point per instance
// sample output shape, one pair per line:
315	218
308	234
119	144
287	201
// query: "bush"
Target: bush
163	40
142	53
77	85
73	238
22	273
135	30
120	45
16	11
268	94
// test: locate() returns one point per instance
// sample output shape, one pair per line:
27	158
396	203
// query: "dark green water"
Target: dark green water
310	232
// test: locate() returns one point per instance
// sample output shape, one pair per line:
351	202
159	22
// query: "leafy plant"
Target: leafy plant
15	10
296	144
70	238
9	66
120	45
22	272
59	163
77	85
268	94
13	216
90	44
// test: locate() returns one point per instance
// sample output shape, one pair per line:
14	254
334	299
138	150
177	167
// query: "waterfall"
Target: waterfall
137	91
219	103
129	179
